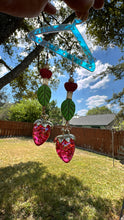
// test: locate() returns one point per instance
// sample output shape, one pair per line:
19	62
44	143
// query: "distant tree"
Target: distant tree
99	110
3	98
25	86
4	111
30	110
25	111
54	113
120	114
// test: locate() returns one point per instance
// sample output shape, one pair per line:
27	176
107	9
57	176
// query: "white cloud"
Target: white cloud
85	83
90	42
96	100
3	71
82	112
85	78
59	4
24	54
21	41
80	100
101	83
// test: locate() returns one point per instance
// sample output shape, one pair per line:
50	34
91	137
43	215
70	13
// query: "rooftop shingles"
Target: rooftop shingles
103	119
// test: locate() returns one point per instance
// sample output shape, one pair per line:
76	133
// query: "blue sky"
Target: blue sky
91	92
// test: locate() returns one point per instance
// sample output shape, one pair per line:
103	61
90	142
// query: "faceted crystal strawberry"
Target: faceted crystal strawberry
41	131
65	147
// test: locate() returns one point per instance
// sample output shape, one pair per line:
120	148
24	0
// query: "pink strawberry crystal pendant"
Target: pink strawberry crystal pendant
65	146
41	131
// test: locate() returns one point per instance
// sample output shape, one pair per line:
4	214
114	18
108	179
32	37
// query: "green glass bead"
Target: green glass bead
68	109
44	95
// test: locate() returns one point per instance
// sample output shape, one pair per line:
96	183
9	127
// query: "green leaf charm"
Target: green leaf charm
44	95
68	109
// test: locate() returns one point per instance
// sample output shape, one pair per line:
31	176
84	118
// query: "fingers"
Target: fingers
98	4
32	8
82	16
82	7
50	9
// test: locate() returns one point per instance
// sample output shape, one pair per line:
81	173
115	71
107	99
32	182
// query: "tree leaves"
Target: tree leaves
25	111
44	95
106	25
68	109
99	110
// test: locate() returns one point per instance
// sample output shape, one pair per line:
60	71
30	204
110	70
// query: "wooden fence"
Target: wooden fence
99	140
13	129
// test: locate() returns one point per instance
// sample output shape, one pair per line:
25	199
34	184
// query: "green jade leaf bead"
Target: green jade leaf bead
44	95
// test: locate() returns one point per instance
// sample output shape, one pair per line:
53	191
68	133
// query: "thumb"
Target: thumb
50	9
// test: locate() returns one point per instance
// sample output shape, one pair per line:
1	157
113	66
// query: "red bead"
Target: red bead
45	73
70	86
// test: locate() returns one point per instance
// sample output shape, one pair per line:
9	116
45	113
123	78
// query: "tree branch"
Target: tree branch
28	60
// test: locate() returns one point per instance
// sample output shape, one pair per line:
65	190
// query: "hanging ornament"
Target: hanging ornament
65	146
42	127
41	131
35	35
68	106
44	92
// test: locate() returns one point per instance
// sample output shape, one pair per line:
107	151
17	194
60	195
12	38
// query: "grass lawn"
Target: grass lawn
36	184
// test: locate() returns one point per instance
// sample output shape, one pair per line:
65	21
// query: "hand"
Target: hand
32	8
26	8
81	7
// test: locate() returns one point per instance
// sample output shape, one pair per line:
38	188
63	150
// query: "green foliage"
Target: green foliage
4	111
68	109
55	115
106	25
30	110
44	95
99	110
118	97
25	85
25	111
120	114
3	98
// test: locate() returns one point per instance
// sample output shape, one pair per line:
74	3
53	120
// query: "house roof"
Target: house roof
93	120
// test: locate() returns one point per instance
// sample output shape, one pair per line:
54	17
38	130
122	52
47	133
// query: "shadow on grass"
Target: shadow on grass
28	189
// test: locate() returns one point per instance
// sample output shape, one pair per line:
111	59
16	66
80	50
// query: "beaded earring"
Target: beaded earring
42	127
65	143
